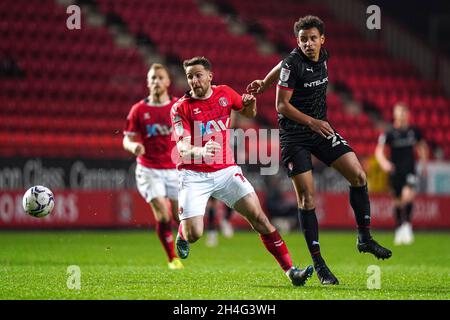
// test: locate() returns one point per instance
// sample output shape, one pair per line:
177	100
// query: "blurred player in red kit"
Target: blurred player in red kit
201	119
147	135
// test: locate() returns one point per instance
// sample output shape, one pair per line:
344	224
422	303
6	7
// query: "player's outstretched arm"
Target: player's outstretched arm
288	110
187	151
131	144
259	86
423	152
385	164
249	102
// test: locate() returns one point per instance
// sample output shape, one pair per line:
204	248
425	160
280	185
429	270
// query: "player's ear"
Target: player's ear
210	76
322	39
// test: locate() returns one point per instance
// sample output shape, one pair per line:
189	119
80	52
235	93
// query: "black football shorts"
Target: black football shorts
399	180
296	154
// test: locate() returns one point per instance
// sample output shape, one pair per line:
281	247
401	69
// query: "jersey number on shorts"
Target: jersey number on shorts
240	176
337	140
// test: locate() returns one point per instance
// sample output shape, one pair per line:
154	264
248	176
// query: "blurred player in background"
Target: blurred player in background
305	130
201	119
402	139
212	233
147	135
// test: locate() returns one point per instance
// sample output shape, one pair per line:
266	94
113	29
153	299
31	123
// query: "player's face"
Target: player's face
158	81
401	115
310	41
199	79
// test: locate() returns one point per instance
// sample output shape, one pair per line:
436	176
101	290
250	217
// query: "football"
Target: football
38	201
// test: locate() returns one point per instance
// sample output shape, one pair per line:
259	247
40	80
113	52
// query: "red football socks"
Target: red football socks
164	231
276	246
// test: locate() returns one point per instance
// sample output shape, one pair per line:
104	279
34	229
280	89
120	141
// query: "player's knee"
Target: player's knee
193	234
258	220
307	200
262	219
359	179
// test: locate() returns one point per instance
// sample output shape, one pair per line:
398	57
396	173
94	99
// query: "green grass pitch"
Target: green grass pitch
132	265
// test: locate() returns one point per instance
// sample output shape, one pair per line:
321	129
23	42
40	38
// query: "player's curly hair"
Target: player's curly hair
197	60
308	22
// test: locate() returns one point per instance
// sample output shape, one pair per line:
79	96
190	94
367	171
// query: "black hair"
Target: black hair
309	22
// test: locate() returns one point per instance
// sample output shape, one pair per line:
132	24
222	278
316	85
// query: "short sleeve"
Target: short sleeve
288	74
418	134
180	122
132	126
388	139
236	99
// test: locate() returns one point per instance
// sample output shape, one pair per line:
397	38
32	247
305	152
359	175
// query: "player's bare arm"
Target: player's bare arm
288	110
423	153
259	86
249	102
131	143
380	155
187	151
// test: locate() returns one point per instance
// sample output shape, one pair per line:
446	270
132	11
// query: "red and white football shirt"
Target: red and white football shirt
153	124
205	119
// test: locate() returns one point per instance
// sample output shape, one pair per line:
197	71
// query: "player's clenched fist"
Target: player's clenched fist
210	148
138	149
247	99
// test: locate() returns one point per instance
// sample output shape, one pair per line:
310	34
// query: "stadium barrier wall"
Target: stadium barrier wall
126	209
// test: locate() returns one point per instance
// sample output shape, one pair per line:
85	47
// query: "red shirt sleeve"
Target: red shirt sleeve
180	121
132	126
236	99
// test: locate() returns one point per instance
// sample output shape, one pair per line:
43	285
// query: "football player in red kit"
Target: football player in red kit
148	136
201	119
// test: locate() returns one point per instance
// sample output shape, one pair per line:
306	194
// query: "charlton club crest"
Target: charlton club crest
223	101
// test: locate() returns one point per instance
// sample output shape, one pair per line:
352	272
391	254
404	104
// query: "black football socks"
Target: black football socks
310	229
359	200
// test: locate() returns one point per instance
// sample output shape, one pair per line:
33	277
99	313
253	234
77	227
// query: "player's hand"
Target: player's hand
210	148
256	86
248	99
138	149
321	127
388	167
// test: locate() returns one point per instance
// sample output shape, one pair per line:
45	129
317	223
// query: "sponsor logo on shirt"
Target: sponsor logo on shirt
284	75
157	129
316	83
213	126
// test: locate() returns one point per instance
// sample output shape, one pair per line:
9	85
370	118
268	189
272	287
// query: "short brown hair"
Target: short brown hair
197	60
156	66
309	22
